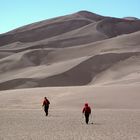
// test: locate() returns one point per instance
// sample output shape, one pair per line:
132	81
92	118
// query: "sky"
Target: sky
17	13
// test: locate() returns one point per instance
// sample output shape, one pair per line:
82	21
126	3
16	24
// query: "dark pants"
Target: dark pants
46	107
87	117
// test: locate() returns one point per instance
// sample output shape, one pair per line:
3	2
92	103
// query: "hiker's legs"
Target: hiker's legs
46	110
87	118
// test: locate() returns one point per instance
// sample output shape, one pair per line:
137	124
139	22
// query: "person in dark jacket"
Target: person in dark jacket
46	104
86	111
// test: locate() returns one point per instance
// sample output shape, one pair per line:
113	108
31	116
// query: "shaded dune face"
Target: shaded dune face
27	59
113	27
82	74
43	32
72	50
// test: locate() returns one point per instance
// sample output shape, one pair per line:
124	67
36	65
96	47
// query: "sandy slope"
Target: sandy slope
62	125
115	113
99	62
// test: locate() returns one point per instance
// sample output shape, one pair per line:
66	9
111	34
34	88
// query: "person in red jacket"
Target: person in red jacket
86	111
46	104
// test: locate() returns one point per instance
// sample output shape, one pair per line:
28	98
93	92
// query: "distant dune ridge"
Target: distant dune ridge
78	49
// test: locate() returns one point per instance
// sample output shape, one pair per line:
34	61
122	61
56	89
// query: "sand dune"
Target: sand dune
81	14
99	58
114	27
72	50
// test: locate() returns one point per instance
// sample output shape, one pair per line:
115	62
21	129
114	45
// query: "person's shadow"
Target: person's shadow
94	123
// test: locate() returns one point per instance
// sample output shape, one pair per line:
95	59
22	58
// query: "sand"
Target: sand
115	113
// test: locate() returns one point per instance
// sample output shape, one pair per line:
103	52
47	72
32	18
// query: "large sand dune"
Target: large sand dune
78	49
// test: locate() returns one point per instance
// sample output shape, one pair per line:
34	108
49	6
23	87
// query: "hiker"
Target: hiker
86	111
45	104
